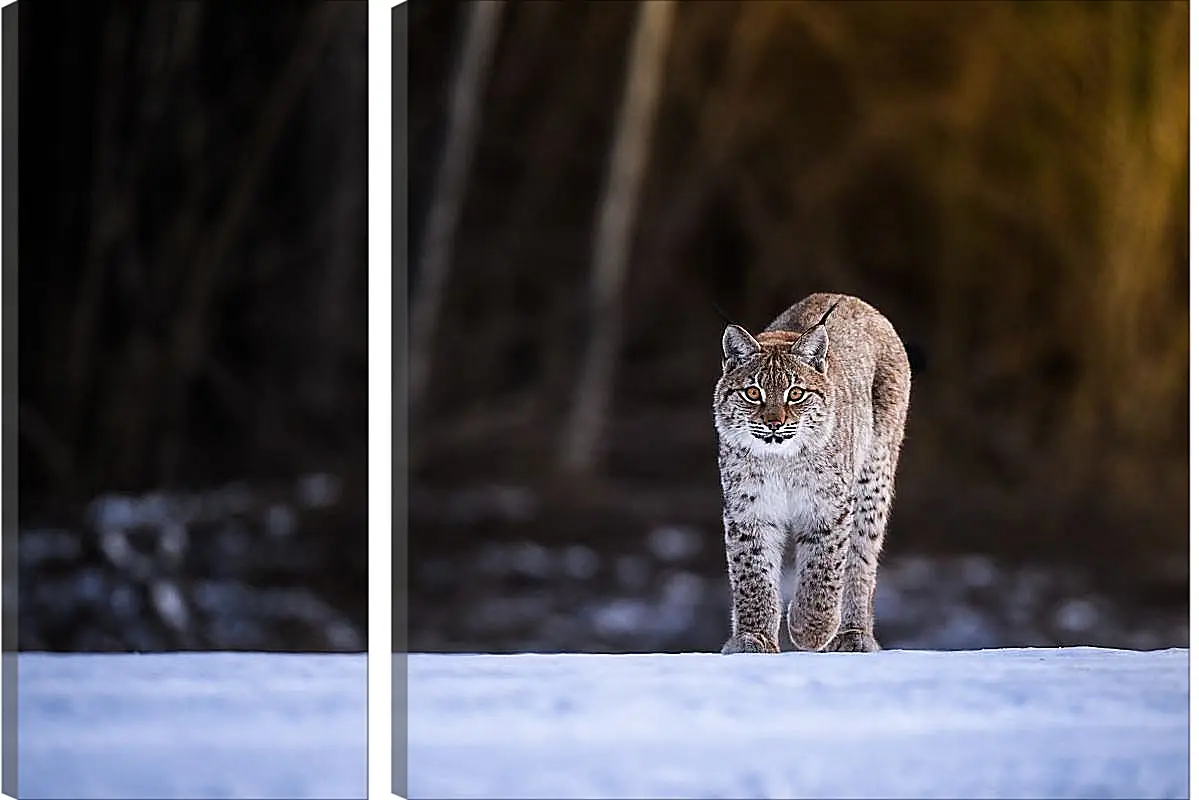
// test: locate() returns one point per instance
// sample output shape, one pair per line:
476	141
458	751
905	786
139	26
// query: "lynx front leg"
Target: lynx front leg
815	611
754	562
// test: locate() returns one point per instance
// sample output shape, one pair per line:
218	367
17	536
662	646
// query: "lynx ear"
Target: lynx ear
738	344
812	348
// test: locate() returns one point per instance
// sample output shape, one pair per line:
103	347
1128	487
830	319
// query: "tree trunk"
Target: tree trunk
614	229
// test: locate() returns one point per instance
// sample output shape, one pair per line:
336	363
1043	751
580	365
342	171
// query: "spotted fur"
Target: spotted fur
810	415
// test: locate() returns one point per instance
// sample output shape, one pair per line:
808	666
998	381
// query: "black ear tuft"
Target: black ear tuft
831	309
739	344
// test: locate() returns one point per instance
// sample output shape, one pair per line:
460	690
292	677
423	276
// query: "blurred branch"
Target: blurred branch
614	228
726	118
190	330
1143	135
449	192
110	216
54	452
553	138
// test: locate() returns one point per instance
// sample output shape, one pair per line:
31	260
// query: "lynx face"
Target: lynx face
773	396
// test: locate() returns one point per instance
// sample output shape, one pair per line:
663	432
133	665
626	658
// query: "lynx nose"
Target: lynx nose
774	424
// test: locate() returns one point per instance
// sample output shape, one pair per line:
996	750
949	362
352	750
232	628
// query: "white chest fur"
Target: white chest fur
783	500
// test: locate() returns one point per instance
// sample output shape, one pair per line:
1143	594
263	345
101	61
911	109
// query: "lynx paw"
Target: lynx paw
749	643
810	630
853	642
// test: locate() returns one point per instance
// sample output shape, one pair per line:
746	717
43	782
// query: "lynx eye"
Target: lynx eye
753	393
796	394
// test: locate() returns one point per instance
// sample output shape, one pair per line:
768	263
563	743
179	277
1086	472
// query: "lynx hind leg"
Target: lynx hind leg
874	491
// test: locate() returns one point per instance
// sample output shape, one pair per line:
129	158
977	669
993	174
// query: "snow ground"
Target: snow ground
1036	723
190	725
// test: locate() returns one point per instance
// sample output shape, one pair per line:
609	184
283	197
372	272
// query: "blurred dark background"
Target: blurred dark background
192	326
1007	181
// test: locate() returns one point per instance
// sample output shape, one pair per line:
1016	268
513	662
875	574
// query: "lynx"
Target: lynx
809	416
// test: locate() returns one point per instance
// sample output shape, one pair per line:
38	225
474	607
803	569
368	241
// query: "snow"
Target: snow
1043	723
188	725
